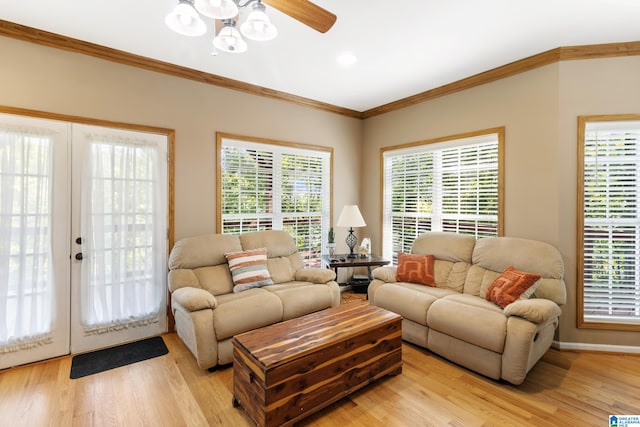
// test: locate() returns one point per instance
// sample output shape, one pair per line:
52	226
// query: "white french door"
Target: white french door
34	240
119	235
83	222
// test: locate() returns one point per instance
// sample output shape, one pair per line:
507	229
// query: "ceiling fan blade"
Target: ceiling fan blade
306	12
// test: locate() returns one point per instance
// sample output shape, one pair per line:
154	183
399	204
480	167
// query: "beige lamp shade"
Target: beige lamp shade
350	217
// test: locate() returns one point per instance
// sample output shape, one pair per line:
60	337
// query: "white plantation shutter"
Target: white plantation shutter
611	223
449	186
408	199
247	189
271	186
468	186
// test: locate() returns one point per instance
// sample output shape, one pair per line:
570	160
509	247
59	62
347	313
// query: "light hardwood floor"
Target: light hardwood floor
563	389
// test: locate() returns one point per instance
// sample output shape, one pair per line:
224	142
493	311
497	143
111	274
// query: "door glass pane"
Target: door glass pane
123	223
26	274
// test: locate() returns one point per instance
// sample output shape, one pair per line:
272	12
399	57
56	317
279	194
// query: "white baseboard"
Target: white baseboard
596	347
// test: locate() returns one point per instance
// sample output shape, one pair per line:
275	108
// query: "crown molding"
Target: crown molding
45	38
545	58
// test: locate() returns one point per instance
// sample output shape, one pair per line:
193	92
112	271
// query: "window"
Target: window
609	222
271	185
450	184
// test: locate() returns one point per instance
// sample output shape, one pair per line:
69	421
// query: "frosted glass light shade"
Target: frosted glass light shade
217	9
258	26
184	19
350	217
229	40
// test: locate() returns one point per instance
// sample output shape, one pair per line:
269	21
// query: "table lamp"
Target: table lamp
351	217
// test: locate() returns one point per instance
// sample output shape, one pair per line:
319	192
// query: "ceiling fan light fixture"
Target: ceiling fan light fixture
217	9
258	26
229	39
184	19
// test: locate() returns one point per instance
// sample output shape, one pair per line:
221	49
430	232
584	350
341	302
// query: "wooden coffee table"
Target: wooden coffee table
287	371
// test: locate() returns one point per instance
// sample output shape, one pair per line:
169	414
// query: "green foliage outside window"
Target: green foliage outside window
263	189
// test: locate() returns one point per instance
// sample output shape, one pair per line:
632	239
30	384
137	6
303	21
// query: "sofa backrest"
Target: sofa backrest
453	254
283	259
203	251
199	261
492	255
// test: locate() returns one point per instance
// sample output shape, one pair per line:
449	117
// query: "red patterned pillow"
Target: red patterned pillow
512	285
416	269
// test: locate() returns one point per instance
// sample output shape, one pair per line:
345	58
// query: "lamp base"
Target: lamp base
351	241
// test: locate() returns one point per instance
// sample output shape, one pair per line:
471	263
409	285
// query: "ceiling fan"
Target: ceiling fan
185	19
306	12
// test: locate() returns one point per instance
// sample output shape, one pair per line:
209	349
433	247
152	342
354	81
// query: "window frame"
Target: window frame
581	322
277	146
443	142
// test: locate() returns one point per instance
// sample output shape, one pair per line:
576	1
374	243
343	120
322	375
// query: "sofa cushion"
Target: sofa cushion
445	246
452	316
409	300
512	285
282	252
451	275
215	279
182	277
498	253
278	243
202	251
245	311
416	269
248	269
300	298
282	269
478	280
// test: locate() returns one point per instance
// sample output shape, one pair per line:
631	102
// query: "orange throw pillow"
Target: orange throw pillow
416	269
512	285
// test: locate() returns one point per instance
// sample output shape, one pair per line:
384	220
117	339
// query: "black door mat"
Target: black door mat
115	357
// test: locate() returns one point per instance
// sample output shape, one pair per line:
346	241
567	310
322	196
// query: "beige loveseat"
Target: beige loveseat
208	313
456	321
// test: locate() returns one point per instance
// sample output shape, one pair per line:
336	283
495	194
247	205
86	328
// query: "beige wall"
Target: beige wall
597	86
539	111
526	105
56	81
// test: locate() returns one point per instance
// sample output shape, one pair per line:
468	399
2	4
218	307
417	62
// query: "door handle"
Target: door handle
79	256
79	240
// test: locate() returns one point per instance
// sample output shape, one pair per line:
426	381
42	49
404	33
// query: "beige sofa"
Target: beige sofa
208	313
455	320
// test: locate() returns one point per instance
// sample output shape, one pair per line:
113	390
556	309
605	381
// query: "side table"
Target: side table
342	261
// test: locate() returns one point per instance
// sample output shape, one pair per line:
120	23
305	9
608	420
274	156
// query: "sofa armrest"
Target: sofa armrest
536	310
386	273
193	299
182	277
315	275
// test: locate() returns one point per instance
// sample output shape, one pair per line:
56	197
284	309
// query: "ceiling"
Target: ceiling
402	47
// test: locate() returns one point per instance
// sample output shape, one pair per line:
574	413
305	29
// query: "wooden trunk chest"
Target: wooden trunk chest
287	371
